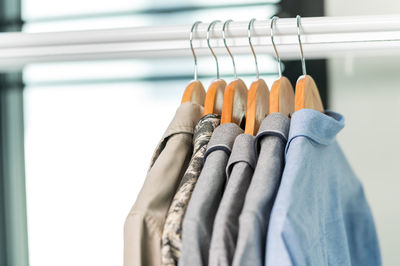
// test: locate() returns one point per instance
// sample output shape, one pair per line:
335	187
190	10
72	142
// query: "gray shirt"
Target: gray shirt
199	218
239	172
253	221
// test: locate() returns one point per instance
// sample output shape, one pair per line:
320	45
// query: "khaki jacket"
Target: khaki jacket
145	222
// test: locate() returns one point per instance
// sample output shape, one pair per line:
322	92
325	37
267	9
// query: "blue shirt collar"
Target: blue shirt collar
321	128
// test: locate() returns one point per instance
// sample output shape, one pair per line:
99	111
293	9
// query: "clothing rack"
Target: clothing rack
322	37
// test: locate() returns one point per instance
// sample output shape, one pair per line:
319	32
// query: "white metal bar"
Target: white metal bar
322	37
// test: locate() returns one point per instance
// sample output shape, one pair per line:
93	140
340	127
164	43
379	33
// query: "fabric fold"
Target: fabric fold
321	215
171	238
145	222
200	214
239	172
269	146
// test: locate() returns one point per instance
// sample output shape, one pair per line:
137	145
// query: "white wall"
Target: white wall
367	92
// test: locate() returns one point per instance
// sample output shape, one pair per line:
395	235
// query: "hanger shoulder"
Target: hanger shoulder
307	95
234	105
281	98
215	97
257	106
194	93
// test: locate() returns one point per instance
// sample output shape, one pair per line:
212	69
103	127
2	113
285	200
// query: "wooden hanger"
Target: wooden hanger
215	97
307	94
257	97
234	105
194	92
215	93
281	98
235	96
257	106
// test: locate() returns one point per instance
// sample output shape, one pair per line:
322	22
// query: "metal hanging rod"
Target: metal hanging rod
322	37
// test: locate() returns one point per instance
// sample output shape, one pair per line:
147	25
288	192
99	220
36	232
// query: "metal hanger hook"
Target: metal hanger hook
303	60
191	47
226	23
251	24
273	22
212	24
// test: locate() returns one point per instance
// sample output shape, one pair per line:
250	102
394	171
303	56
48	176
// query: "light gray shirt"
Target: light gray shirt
199	218
239	172
269	145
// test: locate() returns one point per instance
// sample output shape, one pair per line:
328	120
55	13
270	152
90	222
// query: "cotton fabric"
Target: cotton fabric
269	146
171	239
145	222
202	208
320	216
239	172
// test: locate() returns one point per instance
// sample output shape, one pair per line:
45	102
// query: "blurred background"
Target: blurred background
72	156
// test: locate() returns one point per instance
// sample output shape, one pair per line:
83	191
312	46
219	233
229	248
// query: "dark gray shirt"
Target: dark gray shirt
199	218
239	172
269	145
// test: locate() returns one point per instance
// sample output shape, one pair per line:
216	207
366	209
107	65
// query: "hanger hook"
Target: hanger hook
226	46
191	47
251	24
303	60
212	24
273	22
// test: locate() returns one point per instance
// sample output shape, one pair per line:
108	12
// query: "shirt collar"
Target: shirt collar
321	128
242	151
223	138
186	117
204	129
275	124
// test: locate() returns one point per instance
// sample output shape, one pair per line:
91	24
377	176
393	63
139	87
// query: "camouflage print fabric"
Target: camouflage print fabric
172	234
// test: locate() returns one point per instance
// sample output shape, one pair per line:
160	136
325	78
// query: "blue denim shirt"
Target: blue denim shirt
320	216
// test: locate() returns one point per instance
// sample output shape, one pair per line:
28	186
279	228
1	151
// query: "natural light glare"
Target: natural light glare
89	71
38	9
139	20
87	152
35	9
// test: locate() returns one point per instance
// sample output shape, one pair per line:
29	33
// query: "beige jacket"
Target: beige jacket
145	222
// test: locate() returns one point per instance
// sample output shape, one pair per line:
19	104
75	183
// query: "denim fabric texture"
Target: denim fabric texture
320	215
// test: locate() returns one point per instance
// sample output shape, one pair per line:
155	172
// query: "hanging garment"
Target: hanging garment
200	214
171	238
320	215
239	171
269	146
145	222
